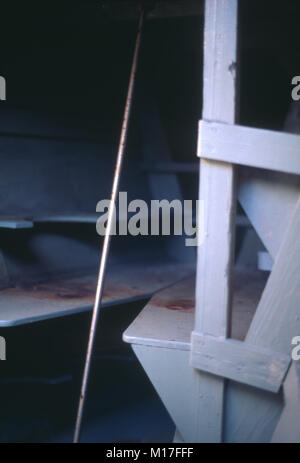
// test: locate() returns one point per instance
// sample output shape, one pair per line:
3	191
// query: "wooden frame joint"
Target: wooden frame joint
236	144
240	361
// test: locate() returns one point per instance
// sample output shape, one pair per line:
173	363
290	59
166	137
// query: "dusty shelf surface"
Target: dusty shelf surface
168	318
56	298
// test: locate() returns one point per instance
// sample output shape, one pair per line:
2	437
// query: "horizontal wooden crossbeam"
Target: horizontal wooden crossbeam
239	361
248	146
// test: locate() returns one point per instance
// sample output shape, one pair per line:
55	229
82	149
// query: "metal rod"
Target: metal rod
106	242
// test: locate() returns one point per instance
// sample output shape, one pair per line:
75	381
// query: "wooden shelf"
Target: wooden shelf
168	319
28	222
56	298
15	222
81	217
69	218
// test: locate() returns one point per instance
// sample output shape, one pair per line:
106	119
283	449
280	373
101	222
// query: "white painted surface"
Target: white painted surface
248	146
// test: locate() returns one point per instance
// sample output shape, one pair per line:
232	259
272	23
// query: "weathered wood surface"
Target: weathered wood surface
240	361
57	298
248	146
215	254
252	415
160	337
167	320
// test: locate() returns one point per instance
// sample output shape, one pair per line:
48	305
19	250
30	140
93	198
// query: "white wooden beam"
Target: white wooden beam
242	362
248	146
217	190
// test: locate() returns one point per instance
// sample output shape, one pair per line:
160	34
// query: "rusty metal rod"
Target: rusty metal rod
106	242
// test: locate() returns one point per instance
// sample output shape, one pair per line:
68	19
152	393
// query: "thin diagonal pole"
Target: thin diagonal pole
106	242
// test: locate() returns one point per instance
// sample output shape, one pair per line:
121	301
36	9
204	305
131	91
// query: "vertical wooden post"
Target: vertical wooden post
217	190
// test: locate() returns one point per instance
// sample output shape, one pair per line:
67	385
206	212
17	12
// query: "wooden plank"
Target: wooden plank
252	416
276	320
167	320
240	361
68	218
82	217
160	336
56	298
248	146
217	190
15	222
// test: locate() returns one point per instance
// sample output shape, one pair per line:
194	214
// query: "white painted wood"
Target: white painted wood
167	320
213	290
277	317
240	361
249	146
160	336
288	429
217	190
252	416
177	385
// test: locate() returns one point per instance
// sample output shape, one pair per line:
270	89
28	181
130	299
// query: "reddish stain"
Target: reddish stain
184	305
